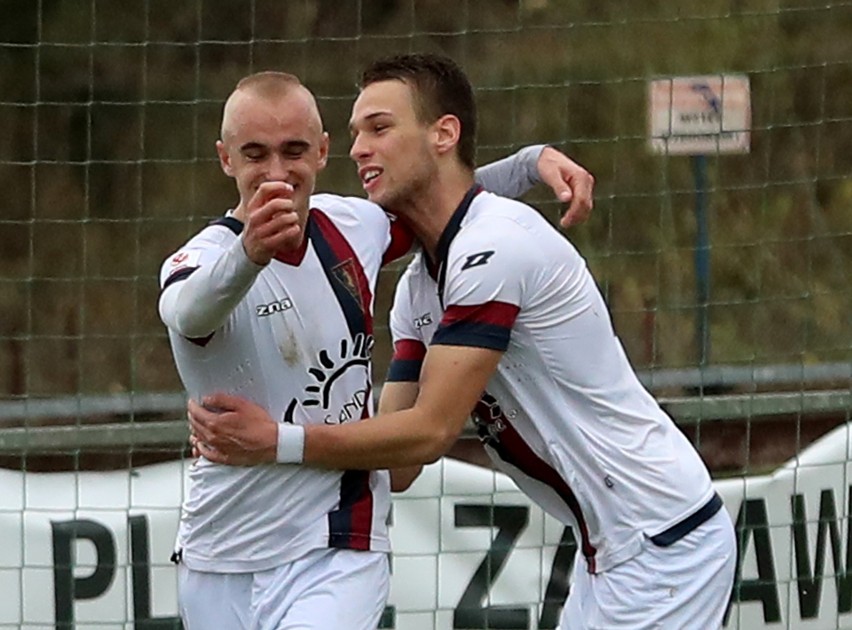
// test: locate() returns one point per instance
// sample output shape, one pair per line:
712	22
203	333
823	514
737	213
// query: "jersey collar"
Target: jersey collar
443	249
436	267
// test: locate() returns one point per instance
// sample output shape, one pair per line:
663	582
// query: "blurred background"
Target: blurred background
109	113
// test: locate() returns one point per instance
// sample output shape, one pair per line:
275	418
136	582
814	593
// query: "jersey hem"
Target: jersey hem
209	565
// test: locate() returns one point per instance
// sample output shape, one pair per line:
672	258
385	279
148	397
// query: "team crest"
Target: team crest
347	275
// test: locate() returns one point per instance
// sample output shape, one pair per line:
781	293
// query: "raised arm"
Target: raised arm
515	175
512	176
197	301
198	298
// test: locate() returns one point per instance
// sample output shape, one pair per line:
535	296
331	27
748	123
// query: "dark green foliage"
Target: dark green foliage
109	113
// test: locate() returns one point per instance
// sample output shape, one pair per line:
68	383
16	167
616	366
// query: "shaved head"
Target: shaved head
268	86
272	132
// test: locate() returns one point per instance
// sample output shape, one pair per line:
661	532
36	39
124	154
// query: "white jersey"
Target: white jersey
298	344
564	415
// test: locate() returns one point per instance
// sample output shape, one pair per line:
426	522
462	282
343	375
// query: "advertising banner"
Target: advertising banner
91	549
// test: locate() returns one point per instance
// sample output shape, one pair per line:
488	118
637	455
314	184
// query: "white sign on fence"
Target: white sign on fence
699	115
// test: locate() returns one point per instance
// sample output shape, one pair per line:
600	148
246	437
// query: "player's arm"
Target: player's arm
515	175
452	380
197	301
402	395
396	396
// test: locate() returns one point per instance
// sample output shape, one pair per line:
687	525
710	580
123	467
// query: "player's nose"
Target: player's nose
277	169
359	149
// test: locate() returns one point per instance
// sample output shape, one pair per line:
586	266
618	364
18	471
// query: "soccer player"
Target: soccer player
500	316
274	302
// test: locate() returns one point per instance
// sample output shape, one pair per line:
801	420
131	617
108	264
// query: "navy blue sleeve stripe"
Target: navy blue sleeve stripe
200	341
180	274
235	225
473	334
404	371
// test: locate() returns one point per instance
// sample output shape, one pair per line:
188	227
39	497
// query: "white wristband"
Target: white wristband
291	444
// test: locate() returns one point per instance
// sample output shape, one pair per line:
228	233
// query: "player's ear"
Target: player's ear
224	158
324	144
447	133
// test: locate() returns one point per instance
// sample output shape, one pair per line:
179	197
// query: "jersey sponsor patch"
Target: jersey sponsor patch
184	258
278	306
423	320
329	371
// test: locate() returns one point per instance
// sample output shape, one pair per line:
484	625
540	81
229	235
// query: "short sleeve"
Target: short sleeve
409	348
489	269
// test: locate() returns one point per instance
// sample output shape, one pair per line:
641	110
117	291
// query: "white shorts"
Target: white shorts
686	585
327	588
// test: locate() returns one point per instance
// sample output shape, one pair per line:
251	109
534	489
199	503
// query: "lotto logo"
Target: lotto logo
477	260
179	259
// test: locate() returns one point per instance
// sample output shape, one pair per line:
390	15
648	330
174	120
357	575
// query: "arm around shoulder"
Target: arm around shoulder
396	396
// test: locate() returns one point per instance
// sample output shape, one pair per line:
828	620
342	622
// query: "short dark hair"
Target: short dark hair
439	86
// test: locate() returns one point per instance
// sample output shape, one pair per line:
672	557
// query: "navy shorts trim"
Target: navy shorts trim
681	529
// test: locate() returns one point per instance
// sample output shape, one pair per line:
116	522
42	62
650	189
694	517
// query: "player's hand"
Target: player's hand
231	430
272	224
571	183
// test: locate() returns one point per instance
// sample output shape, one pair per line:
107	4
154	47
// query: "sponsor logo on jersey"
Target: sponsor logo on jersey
278	306
477	260
183	259
423	320
329	373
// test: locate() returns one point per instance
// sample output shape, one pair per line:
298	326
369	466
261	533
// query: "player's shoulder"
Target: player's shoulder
217	234
488	208
214	237
416	269
496	220
414	284
503	237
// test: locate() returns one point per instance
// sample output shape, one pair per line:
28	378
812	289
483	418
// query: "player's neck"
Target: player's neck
429	212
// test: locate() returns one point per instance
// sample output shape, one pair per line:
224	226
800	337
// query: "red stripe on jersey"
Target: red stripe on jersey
362	518
402	239
496	313
497	432
350	525
349	267
361	522
408	350
532	465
